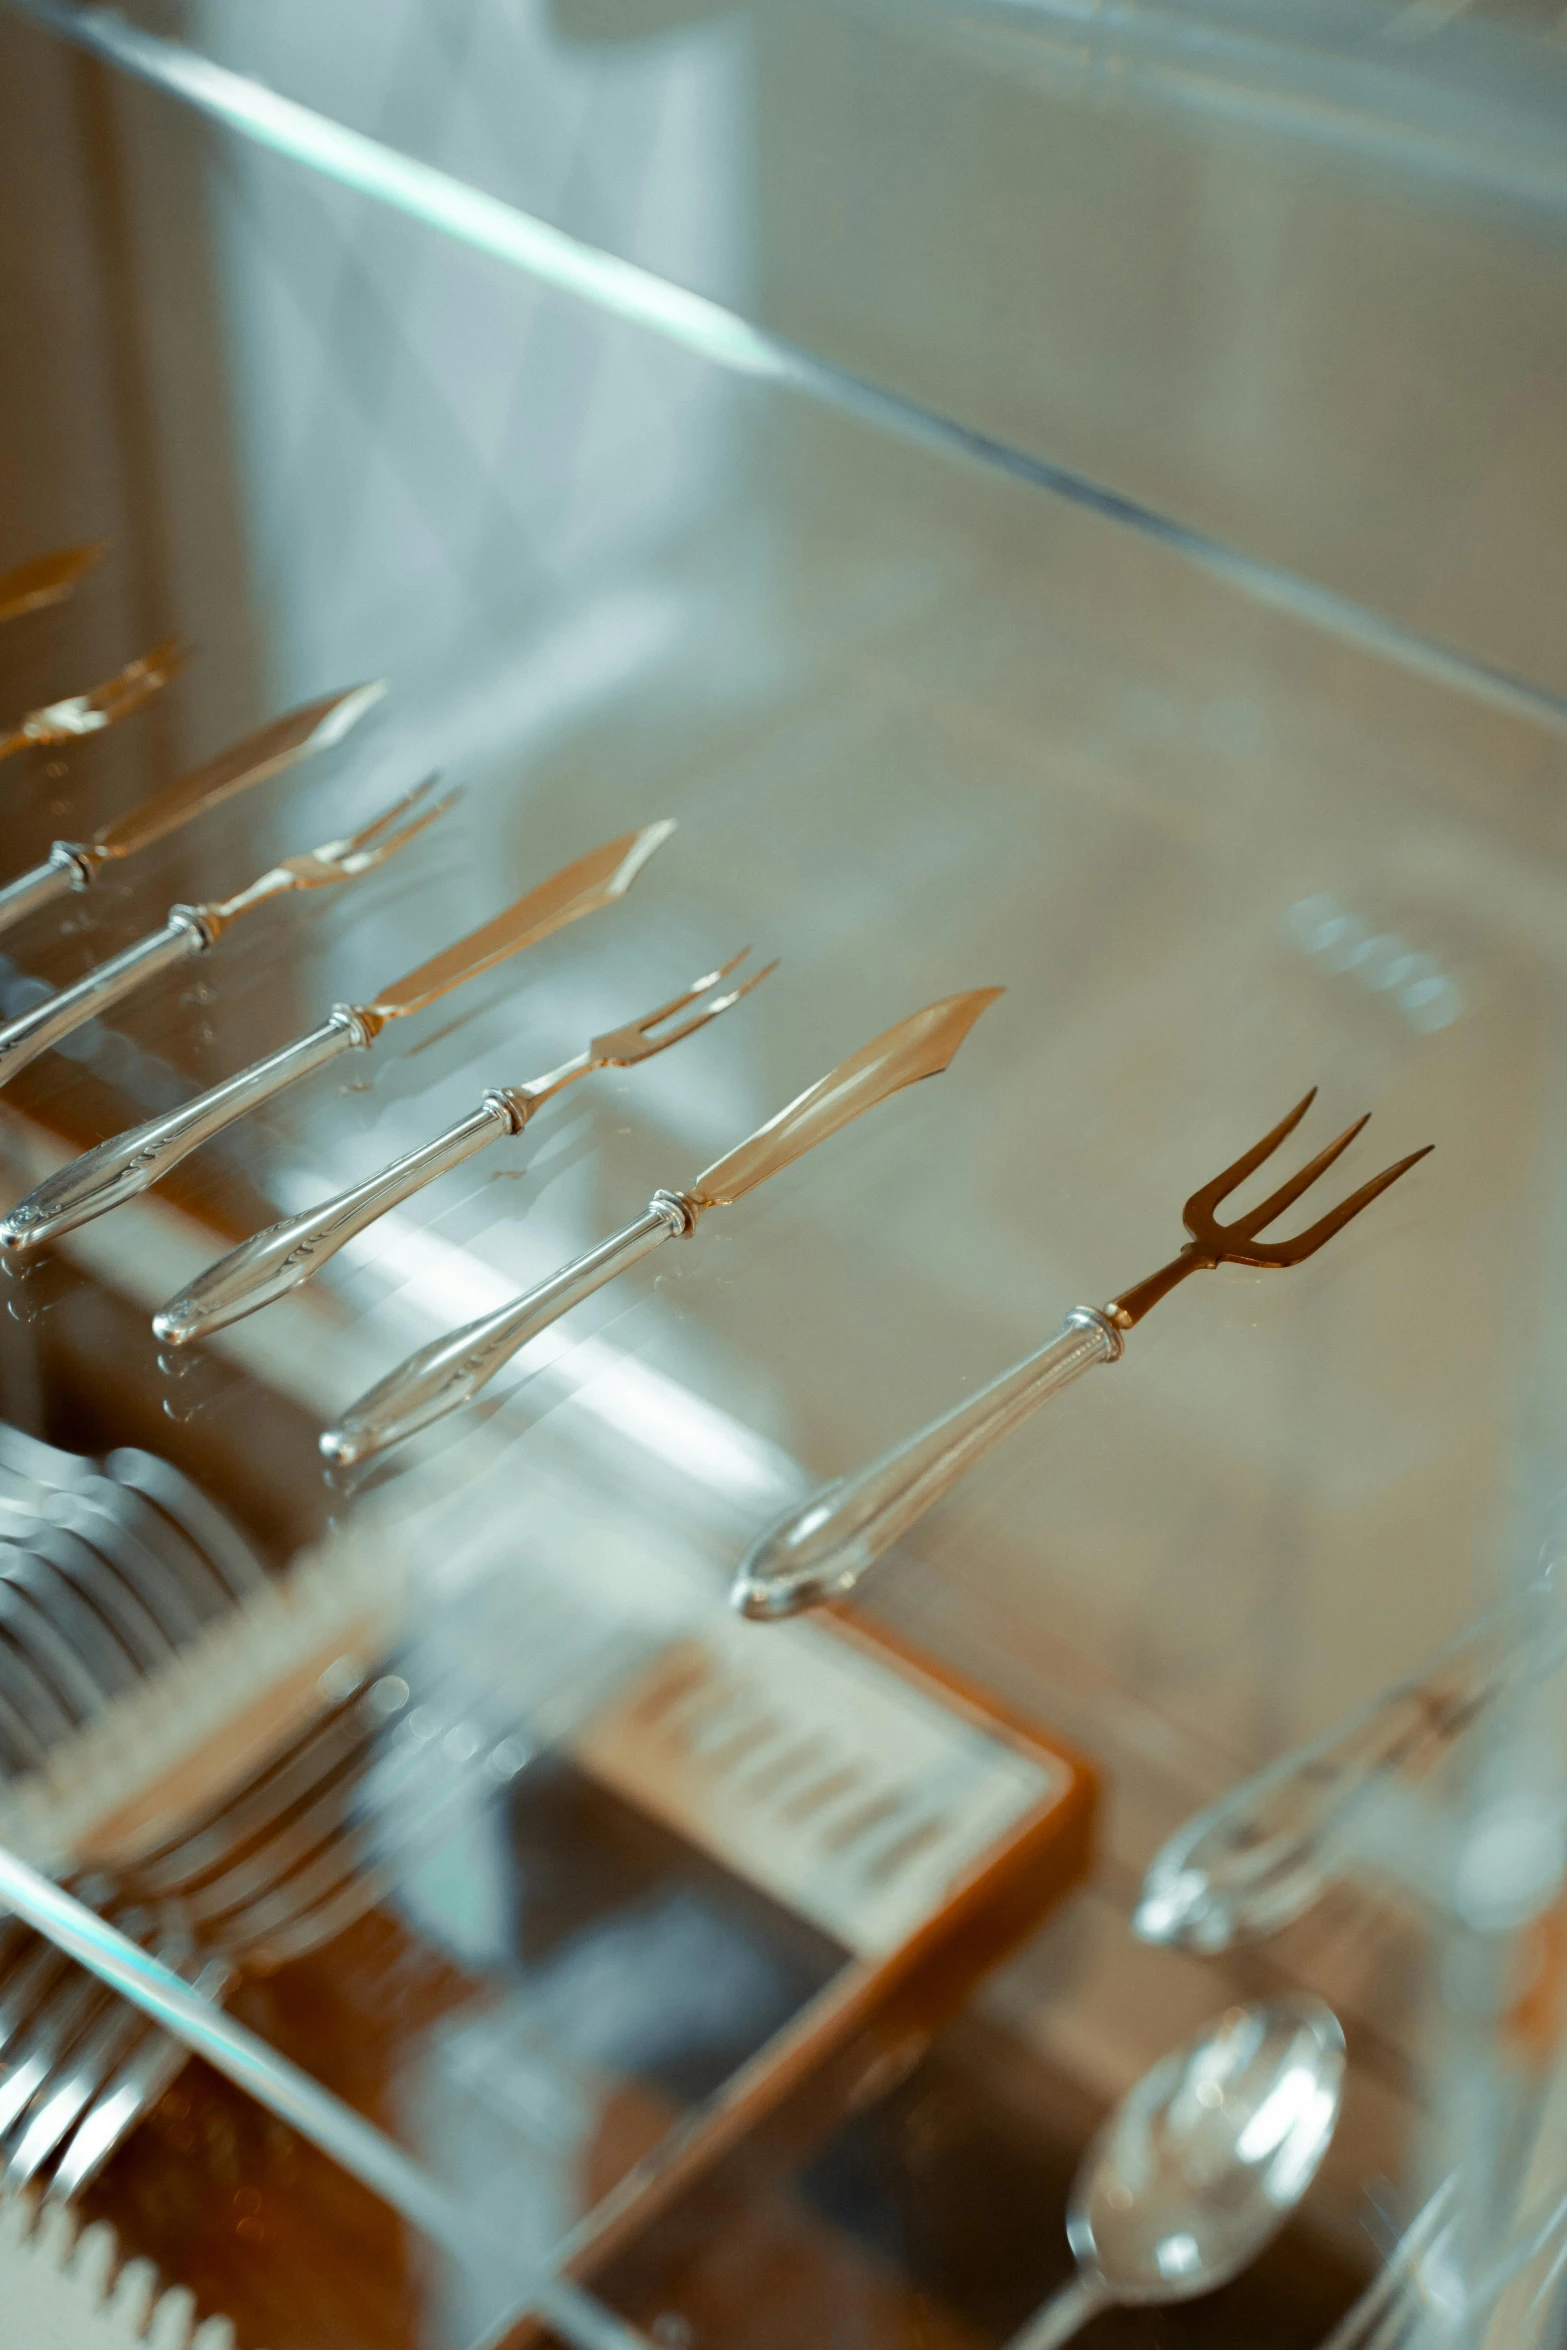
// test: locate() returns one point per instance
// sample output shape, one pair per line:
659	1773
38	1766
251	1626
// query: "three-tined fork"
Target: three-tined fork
192	930
286	1254
820	1551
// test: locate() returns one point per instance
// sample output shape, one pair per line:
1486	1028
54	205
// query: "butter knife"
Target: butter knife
130	1163
47	579
192	930
74	865
453	1369
105	705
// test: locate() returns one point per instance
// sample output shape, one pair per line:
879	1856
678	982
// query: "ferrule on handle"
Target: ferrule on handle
130	1163
34	1031
820	1550
453	1369
287	1254
66	868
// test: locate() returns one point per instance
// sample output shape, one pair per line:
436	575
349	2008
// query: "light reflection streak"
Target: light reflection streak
624	290
451	1285
284	2089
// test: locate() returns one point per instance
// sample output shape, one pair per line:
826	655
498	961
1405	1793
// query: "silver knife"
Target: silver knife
130	1163
290	1253
453	1369
192	930
47	579
317	726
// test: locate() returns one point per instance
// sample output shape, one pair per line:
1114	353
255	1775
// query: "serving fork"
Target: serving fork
76	865
47	579
451	1370
130	1163
289	1253
192	930
105	705
820	1550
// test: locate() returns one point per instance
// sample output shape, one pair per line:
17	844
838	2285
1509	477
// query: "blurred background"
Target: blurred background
1127	566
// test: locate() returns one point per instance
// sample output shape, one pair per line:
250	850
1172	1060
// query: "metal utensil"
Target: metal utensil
192	930
130	1163
1200	2165
452	1369
47	579
105	705
289	1253
74	865
1264	1853
821	1549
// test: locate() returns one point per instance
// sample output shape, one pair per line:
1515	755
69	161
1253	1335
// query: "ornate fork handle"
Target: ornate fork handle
821	1549
130	1163
34	1031
289	1253
64	869
451	1369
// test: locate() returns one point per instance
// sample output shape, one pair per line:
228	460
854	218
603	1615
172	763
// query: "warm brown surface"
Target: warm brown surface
233	2204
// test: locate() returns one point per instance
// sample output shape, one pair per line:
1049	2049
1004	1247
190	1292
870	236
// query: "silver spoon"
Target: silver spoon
1200	2164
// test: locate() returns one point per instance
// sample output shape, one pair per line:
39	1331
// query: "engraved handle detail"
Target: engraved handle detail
287	1254
54	879
130	1163
820	1550
452	1369
33	1032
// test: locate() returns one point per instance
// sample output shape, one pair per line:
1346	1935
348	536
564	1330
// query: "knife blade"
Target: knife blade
315	726
593	881
47	579
133	1162
451	1370
73	865
920	1046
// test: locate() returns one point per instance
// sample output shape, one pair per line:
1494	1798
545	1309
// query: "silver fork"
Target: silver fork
287	1254
192	930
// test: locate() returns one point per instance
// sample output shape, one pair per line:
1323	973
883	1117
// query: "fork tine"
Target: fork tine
1200	1207
1291	1252
1253	1222
711	1011
689	994
366	834
376	852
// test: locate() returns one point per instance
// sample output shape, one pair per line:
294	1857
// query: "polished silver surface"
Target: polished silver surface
117	1170
452	1370
287	1254
1200	2165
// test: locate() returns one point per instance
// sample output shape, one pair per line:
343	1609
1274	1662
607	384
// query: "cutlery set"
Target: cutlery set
818	1552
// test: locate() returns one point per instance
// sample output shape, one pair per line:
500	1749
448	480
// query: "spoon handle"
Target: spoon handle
823	1547
1064	2314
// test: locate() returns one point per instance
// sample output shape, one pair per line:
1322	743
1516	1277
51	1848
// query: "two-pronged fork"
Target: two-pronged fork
286	1254
132	1162
821	1550
191	930
105	705
75	865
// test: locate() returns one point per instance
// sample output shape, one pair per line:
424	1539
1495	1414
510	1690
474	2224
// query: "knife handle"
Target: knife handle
128	1163
820	1549
287	1254
63	870
34	1031
452	1369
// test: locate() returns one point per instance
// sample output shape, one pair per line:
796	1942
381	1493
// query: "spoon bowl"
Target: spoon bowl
1201	2163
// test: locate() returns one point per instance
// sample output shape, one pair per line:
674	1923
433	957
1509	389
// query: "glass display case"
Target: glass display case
1059	501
